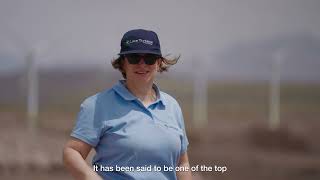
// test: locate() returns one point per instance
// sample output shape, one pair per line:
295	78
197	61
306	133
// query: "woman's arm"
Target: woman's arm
184	162
74	154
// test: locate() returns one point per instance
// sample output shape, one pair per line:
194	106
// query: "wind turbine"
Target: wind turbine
30	72
33	53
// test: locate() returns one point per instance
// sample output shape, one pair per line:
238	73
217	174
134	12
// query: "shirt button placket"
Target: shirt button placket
145	109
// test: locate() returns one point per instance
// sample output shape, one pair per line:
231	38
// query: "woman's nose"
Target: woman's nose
141	61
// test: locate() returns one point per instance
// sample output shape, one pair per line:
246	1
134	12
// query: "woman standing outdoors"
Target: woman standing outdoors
133	124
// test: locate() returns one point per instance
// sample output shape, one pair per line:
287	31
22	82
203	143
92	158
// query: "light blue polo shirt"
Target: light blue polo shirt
126	134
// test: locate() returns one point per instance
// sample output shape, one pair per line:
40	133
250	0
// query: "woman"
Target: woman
136	130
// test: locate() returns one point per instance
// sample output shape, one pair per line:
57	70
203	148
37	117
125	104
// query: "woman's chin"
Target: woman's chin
143	78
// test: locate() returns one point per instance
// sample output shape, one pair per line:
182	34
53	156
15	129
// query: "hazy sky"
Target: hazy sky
68	32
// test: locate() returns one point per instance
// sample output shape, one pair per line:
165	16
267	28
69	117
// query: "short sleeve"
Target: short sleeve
87	128
184	141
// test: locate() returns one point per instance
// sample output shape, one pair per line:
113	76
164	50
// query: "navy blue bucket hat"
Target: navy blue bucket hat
140	41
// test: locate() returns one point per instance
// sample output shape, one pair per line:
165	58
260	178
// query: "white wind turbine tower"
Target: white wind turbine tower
30	72
200	91
33	90
33	53
274	102
36	52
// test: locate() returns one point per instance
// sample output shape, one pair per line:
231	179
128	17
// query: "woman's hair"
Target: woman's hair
164	65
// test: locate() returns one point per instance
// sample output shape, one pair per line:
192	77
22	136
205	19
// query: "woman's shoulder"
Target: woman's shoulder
98	98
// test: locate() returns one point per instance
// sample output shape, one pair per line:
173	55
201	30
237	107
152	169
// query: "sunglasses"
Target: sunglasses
149	59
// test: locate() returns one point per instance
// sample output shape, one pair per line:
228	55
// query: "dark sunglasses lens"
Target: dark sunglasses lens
150	59
133	59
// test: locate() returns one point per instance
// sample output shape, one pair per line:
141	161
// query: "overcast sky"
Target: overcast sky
68	32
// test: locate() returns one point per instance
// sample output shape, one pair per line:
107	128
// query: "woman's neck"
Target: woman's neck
142	91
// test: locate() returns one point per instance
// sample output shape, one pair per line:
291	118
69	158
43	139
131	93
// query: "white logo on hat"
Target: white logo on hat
144	41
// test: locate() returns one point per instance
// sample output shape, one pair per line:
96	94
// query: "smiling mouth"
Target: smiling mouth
142	72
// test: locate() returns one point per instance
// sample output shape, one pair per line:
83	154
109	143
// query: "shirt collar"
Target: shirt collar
121	89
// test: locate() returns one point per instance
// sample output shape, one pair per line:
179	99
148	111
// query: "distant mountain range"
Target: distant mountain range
252	60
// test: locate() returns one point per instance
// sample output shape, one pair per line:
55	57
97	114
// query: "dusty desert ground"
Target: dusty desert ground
237	137
247	149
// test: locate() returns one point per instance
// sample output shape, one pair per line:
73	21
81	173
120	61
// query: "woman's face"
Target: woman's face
141	72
